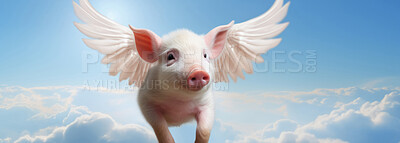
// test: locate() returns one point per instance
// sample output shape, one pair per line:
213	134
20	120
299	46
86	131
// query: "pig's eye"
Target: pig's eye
170	57
205	56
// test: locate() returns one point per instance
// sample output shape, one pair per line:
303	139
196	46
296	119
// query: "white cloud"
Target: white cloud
94	127
46	101
356	121
6	140
361	121
74	112
279	126
282	131
49	101
382	82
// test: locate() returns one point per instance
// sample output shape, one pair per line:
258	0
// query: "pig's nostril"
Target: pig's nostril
205	78
193	79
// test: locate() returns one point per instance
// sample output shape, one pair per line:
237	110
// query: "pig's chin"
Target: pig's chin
196	88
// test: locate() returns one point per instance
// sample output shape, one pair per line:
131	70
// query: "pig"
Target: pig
175	73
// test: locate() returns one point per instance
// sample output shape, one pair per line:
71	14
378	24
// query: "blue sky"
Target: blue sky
356	46
355	42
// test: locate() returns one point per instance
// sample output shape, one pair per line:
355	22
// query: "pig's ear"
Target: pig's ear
147	44
216	38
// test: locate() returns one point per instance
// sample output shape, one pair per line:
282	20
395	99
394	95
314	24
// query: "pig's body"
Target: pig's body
174	110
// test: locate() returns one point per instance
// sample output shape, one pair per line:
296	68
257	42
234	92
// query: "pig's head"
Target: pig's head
183	58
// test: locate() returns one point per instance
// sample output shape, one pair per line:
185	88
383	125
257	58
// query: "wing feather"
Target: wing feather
114	40
99	32
248	40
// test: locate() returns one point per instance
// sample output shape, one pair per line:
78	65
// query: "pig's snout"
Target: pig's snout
197	80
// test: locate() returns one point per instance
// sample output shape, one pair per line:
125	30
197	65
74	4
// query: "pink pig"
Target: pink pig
175	73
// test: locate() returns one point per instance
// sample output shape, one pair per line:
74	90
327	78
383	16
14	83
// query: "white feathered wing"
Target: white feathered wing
248	40
114	40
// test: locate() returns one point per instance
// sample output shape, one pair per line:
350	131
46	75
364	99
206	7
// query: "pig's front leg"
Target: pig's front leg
205	120
159	125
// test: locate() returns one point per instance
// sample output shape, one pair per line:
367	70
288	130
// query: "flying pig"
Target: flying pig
175	72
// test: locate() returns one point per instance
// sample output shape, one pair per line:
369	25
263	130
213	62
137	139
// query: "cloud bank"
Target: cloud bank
94	127
66	122
358	121
74	114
